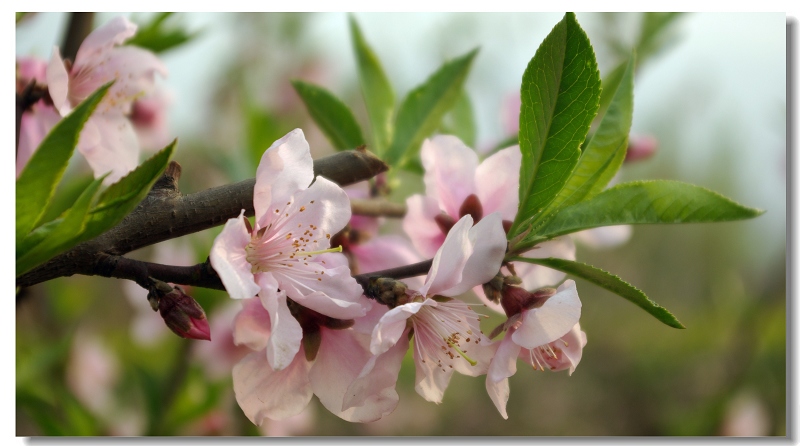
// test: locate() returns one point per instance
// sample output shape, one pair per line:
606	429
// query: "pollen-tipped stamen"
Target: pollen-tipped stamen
471	361
322	251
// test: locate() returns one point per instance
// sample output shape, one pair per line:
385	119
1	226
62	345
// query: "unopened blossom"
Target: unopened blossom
446	331
108	140
456	184
330	357
542	330
287	254
181	313
37	119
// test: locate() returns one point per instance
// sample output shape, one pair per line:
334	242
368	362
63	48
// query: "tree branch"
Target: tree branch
80	25
166	214
377	208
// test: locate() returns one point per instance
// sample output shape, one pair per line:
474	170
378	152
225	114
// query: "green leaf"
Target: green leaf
610	85
603	155
560	94
378	94
608	281
331	115
422	110
123	196
460	120
37	182
643	202
158	37
60	237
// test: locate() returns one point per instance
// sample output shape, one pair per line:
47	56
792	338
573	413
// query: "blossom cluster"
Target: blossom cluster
130	117
312	329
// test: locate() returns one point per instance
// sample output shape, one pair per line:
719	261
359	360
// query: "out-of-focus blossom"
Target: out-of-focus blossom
745	416
542	330
457	185
40	117
92	372
149	118
108	140
287	256
220	355
329	359
446	331
640	148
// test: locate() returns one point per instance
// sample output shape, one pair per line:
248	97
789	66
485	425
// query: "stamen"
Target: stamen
471	361
311	253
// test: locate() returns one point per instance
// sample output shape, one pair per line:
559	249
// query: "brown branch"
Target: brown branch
203	275
166	214
80	25
377	208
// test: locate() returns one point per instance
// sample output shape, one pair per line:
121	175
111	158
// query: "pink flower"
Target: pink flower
264	392
108	140
542	331
149	118
37	120
287	255
446	332
456	185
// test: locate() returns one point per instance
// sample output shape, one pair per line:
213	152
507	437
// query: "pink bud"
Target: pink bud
182	314
641	148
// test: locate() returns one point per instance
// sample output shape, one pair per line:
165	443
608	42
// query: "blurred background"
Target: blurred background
93	359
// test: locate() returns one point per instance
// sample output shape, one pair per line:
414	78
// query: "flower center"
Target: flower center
443	333
546	355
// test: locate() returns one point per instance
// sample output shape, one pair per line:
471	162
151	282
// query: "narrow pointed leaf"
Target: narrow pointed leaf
378	94
559	95
123	196
605	152
608	281
331	115
643	202
63	236
37	181
421	112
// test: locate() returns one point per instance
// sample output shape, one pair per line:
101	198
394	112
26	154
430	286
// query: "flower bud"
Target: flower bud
472	206
515	299
182	314
641	148
387	291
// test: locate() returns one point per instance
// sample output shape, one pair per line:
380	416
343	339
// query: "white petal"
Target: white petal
552	320
450	259
117	150
449	171
497	182
420	225
265	393
392	327
228	258
378	376
284	342
488	242
251	326
503	366
58	83
285	168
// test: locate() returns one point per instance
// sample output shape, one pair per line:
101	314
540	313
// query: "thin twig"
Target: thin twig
377	208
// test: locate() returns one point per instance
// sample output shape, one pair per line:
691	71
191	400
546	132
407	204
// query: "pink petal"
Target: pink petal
537	276
450	259
265	393
552	320
375	312
251	326
378	376
384	252
431	380
117	150
149	119
420	225
503	366
285	168
497	182
32	68
132	69
488	242
449	171
115	32
229	259
604	237
58	83
284	343
334	293
35	125
573	350
392	327
342	355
